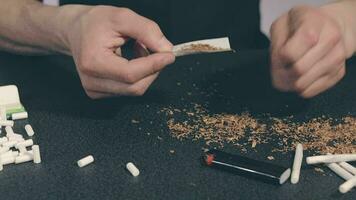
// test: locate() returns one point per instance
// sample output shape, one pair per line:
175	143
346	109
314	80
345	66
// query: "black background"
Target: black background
189	20
69	126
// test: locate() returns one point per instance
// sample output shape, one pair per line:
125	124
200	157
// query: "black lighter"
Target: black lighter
246	166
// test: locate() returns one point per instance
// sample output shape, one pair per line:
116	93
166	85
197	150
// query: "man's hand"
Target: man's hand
91	35
309	48
93	40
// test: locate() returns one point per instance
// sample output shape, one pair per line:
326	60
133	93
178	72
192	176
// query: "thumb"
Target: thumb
144	31
279	72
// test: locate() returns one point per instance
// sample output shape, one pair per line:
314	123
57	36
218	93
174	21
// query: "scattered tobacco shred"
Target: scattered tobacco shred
319	170
135	121
270	158
322	135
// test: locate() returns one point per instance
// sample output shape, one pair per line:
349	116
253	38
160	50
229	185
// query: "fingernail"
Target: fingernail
168	59
165	45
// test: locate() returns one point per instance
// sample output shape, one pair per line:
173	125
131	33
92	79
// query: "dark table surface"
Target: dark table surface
69	126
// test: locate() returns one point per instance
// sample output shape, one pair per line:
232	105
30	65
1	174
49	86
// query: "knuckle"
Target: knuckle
278	84
298	69
88	85
85	83
94	10
334	36
343	72
101	8
85	65
92	95
154	27
273	26
155	65
311	36
312	13
128	77
277	25
296	10
154	30
286	54
298	87
302	13
305	95
120	15
124	12
340	57
293	10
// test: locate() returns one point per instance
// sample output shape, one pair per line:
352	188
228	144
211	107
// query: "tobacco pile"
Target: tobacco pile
322	135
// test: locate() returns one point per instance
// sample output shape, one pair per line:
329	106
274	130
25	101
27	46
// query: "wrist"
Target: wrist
66	20
51	25
343	12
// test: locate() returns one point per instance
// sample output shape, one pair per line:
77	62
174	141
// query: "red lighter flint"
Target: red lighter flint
209	158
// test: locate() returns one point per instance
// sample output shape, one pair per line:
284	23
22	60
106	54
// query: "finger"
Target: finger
140	50
144	66
110	66
117	42
118	52
323	84
279	34
300	43
298	15
330	64
329	37
118	88
142	29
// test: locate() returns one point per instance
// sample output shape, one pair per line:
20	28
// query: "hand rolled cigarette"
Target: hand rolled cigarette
195	47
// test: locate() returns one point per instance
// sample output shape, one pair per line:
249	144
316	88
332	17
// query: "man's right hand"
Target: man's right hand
93	38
